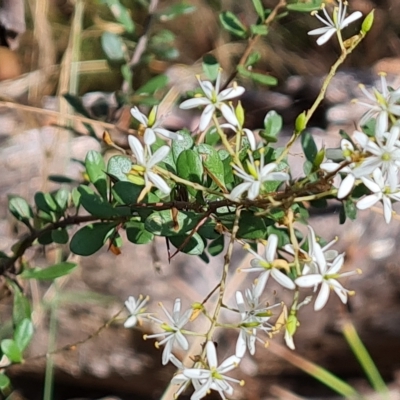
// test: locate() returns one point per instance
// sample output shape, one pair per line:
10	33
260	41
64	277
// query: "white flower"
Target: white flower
382	190
259	173
254	317
269	265
172	330
317	256
213	100
213	377
384	153
145	162
334	24
152	126
384	104
327	277
136	308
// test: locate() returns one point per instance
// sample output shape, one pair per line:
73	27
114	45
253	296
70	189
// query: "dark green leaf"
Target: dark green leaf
156	83
45	202
95	205
189	167
136	233
61	179
175	10
251	226
232	24
309	146
95	168
91	238
19	207
207	230
283	237
307	168
113	46
162	223
11	350
194	247
119	166
212	136
210	67
212	162
257	77
4	382
121	14
179	145
49	273
45	238
350	209
226	160
126	192
23	334
60	236
216	246
76	103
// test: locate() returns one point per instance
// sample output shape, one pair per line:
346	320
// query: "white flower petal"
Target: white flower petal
228	114
193	103
368	201
237	192
351	18
206	117
231	93
282	279
158	156
159	182
346	186
211	354
131	321
322	297
139	116
270	250
149	136
325	37
137	149
308	280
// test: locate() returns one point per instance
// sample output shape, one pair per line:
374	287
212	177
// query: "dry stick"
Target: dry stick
253	41
37	110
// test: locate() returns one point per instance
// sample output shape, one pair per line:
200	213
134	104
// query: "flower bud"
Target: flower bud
368	22
239	112
301	122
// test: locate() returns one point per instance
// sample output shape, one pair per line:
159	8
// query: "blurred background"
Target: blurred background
70	70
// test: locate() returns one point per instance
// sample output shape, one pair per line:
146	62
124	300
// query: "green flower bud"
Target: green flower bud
239	112
368	22
301	122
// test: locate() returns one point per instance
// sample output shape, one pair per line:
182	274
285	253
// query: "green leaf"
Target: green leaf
232	24
98	207
11	350
62	197
91	238
261	30
189	167
212	136
180	145
216	246
350	209
309	147
207	230
19	207
95	168
76	103
23	334
273	123
305	7
126	192
226	160
213	164
119	166
252	59
136	233
21	306
60	236
210	67
61	179
257	4
175	10
152	85
49	273
113	46
162	223
4	382
122	15
45	202
257	77
251	226
194	247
